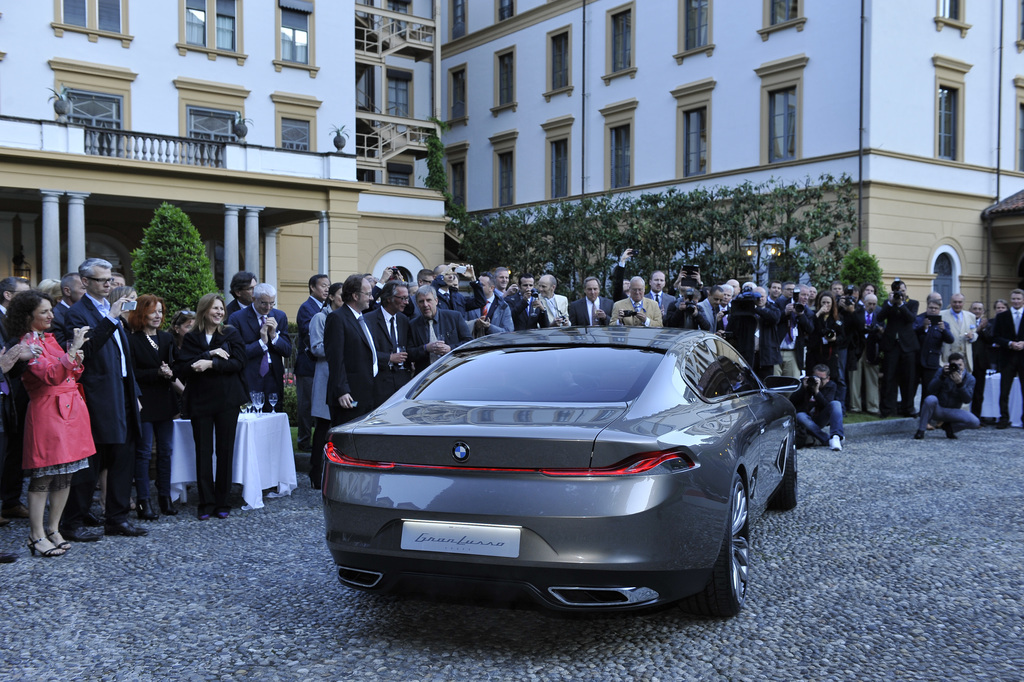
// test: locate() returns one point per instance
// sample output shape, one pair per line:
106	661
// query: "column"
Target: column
51	235
252	240
7	246
76	229
270	256
28	243
324	246
230	246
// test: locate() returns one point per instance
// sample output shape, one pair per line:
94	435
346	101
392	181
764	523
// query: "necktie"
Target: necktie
657	299
265	360
1016	321
483	312
373	351
394	337
433	338
593	313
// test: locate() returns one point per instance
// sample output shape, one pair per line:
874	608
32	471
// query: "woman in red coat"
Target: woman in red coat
58	437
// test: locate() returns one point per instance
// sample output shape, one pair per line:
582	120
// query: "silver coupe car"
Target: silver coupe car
586	467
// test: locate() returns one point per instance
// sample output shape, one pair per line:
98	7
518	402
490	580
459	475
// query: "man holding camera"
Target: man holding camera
795	325
864	377
817	407
547	309
900	345
1008	334
635	310
947	392
932	333
685	312
592	310
518	297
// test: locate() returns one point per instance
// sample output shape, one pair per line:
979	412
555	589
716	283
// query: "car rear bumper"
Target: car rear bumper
611	542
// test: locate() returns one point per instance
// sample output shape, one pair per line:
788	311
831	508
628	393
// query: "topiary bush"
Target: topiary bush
171	261
859	267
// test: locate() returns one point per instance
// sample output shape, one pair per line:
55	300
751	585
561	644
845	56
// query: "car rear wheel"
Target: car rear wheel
784	497
726	590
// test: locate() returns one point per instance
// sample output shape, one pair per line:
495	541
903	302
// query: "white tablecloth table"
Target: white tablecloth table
990	404
263	457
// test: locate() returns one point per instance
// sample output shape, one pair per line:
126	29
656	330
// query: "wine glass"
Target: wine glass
400	349
272	399
245	408
257	401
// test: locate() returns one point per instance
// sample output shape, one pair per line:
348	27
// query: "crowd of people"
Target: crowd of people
92	380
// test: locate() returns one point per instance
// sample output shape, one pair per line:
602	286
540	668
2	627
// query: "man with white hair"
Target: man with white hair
635	310
264	330
548	309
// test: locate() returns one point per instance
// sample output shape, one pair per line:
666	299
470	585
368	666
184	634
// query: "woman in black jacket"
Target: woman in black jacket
828	336
211	362
153	354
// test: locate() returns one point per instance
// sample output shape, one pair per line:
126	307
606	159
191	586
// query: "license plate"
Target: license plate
461	538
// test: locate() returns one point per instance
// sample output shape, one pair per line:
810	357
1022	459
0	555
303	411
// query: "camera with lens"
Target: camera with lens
689	306
897	294
799	308
952	367
627	313
830	335
534	293
812	381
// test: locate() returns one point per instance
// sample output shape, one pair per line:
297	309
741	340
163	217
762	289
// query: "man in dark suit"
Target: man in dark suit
932	332
768	354
305	363
389	328
658	293
113	399
493	315
981	360
446	288
351	357
863	393
264	330
242	285
711	306
518	298
11	478
434	332
71	290
1008	334
900	345
592	310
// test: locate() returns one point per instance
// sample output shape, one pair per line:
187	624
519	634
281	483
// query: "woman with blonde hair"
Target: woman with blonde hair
210	363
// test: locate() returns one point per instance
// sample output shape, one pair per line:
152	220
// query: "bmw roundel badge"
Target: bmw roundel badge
460	452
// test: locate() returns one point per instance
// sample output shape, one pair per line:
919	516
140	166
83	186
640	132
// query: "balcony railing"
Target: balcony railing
126	144
389	136
381	32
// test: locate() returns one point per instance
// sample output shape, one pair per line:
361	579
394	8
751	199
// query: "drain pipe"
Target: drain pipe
999	107
583	106
860	139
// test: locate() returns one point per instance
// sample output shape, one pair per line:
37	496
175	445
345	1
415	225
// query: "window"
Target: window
559	61
294	134
402	7
504	81
950	9
695	142
559	168
366	88
947	123
94	109
558	132
622	41
781	108
195	22
398	92
74	12
782	125
210	124
458	15
949	107
294	36
780	15
457	93
943	271
95	18
1020	137
458	180
618	124
619	145
696	24
784	10
399	174
952	13
226	25
504	146
693	123
506	9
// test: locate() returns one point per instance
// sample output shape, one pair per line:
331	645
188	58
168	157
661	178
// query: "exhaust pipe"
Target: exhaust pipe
603	596
357	577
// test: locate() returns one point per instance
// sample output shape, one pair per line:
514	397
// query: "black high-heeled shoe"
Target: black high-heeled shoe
65	545
52	552
166	506
144	512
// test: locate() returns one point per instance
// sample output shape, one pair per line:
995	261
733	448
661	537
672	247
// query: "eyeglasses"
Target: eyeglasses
108	280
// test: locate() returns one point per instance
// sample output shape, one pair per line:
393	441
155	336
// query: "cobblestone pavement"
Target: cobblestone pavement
903	561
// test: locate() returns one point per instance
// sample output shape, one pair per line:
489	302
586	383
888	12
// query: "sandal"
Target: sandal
63	544
52	552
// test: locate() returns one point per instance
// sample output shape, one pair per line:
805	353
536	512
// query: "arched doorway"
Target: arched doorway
943	282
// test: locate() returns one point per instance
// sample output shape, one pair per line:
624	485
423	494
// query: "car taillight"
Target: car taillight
637	464
339	457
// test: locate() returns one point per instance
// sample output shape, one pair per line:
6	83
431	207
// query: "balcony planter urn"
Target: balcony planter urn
340	137
241	127
61	104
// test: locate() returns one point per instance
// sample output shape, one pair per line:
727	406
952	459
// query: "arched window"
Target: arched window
943	282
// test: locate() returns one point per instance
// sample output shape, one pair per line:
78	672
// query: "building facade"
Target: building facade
145	105
920	103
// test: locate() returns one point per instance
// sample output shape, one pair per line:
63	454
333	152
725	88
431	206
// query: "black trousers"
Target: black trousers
214	489
1009	370
83	483
899	371
11	475
119	461
316	451
979	389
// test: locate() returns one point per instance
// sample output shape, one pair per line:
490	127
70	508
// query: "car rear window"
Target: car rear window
586	374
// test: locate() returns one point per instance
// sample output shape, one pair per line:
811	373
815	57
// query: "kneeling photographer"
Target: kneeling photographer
948	391
817	407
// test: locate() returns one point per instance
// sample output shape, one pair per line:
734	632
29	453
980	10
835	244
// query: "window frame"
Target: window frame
280	131
457	153
279	62
768	26
781	74
498	9
297	107
512	104
690	97
610	65
99	96
557	130
462	69
958	22
114	81
389	77
1020	26
92	27
228	115
684	50
549	68
453	6
950	73
193	92
212	53
503	143
617	115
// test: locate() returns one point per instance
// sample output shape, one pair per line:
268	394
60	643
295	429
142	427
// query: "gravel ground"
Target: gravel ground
902	562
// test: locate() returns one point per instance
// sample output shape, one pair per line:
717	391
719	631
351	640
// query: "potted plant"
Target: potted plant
61	103
241	127
340	137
